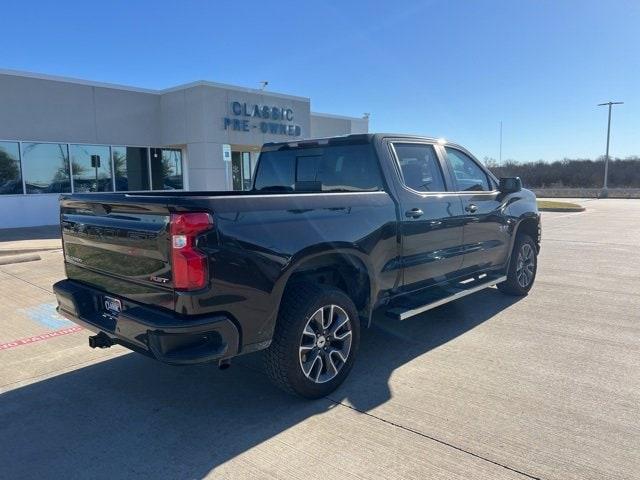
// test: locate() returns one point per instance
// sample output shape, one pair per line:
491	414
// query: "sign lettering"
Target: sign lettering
273	120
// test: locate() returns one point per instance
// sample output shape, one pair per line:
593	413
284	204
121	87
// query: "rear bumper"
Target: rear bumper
166	336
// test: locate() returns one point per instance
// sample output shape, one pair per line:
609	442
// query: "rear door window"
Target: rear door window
420	167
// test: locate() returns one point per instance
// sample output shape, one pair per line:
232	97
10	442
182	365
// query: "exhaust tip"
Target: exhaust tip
100	341
224	364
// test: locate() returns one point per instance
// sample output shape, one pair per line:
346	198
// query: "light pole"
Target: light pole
500	155
604	192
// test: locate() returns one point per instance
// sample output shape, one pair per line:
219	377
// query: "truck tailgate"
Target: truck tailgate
119	245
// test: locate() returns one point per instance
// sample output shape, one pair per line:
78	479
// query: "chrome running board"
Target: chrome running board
403	314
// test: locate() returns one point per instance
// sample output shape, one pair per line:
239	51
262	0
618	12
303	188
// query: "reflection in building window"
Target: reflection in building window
10	177
166	169
91	167
131	168
46	167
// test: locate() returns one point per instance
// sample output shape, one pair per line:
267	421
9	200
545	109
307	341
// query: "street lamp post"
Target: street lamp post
604	192
500	154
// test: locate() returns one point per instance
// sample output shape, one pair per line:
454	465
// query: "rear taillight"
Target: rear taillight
189	265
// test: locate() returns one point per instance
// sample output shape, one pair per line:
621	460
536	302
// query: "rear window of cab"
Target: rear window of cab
319	169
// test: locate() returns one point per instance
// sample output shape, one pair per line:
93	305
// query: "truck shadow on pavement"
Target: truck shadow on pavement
131	416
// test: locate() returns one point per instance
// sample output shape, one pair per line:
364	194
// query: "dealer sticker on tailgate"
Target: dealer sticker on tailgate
112	305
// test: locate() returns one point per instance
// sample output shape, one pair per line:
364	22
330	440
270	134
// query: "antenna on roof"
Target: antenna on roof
263	84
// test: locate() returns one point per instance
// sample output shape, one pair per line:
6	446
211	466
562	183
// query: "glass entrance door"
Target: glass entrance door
241	170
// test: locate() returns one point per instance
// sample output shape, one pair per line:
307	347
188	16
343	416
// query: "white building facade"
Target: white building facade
60	135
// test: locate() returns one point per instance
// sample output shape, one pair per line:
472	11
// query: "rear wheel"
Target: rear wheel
522	267
315	341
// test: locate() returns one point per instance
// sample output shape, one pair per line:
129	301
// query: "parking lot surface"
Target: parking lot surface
546	386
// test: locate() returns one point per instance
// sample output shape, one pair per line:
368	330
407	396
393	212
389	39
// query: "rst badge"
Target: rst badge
158	279
112	305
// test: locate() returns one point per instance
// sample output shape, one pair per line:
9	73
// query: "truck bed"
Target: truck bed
120	244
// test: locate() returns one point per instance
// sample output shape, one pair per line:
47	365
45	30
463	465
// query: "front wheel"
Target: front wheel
315	340
522	267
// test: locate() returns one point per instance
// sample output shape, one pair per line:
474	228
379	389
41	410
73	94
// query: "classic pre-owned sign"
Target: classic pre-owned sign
267	118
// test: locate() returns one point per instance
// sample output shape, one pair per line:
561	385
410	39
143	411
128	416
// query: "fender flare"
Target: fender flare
345	250
520	221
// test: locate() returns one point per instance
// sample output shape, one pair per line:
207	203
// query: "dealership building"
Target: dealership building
60	135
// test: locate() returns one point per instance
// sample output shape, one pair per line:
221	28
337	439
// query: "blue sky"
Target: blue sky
450	69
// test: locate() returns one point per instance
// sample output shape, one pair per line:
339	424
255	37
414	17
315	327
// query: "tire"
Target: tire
299	339
523	266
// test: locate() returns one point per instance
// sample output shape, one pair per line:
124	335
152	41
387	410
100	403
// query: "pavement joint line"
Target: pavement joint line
442	442
26	281
410	430
581	288
545	239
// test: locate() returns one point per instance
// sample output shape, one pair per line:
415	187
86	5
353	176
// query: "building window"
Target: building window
10	177
131	168
45	167
91	165
166	169
57	167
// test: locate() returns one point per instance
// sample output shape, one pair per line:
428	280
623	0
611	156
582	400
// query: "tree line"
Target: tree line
571	173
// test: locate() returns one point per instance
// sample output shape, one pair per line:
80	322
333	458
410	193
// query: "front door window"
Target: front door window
469	176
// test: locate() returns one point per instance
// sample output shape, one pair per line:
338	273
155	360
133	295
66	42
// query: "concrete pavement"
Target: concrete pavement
487	387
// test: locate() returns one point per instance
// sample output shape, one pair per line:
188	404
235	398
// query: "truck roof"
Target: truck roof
354	138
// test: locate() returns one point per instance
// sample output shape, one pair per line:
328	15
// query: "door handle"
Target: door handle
471	208
414	213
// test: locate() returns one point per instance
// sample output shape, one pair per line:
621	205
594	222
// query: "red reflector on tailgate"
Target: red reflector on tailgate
189	265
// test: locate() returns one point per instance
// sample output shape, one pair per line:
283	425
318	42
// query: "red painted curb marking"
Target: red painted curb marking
39	338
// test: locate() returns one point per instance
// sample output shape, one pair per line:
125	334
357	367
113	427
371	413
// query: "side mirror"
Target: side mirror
510	185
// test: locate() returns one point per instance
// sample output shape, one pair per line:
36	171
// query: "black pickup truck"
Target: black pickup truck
332	230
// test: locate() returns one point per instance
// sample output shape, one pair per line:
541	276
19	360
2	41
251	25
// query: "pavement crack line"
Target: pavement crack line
410	430
587	242
26	281
581	289
442	442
